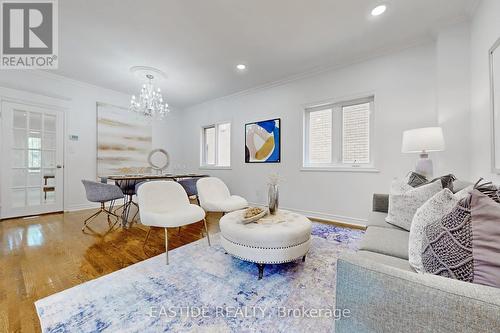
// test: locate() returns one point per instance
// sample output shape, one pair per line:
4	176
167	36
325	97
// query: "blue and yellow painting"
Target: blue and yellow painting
263	141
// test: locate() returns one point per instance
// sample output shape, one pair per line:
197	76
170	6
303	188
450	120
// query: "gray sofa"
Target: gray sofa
383	293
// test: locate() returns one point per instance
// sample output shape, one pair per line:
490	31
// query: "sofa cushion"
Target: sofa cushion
389	241
377	219
385	260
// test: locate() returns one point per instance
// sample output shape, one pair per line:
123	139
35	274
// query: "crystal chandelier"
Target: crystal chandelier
150	102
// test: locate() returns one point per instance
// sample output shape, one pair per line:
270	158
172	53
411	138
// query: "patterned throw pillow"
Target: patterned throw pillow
404	201
447	245
446	181
416	180
431	211
465	243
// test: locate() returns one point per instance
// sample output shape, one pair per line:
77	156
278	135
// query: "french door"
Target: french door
32	160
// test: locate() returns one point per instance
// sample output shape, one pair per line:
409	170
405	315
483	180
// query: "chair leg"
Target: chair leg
206	230
90	218
166	244
135	215
261	271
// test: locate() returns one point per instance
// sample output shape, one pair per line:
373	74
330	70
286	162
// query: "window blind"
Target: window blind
320	136
356	133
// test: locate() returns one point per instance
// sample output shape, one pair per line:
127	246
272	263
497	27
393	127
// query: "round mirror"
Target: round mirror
158	159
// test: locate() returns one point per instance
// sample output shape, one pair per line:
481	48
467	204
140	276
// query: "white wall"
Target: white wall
404	85
485	30
453	98
80	101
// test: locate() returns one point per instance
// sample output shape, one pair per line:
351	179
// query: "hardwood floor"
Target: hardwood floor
44	255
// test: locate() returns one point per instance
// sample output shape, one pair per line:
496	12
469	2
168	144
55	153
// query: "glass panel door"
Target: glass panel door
33	140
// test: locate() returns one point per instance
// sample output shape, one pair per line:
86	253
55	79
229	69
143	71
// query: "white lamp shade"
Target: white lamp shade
423	140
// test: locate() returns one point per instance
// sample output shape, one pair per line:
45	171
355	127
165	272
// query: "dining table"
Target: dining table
128	184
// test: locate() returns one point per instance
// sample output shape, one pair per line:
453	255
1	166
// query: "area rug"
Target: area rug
205	290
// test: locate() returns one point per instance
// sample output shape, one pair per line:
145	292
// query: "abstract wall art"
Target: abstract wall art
263	141
124	140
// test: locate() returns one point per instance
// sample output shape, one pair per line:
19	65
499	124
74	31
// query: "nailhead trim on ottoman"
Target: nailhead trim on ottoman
267	243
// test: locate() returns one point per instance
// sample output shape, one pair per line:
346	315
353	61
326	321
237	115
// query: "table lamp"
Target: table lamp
423	141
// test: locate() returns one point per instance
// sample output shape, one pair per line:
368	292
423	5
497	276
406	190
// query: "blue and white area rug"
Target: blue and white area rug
205	290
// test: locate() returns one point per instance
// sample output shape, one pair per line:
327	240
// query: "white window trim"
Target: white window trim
338	166
205	166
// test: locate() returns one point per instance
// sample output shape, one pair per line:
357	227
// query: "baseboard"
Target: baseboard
351	222
89	205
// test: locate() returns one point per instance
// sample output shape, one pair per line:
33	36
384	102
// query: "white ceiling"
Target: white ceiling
199	42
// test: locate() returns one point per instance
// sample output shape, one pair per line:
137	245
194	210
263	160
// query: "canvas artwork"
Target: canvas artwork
124	140
263	141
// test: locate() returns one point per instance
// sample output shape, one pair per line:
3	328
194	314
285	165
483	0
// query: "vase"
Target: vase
273	198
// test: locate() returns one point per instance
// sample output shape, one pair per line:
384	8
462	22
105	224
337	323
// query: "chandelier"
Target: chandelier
150	101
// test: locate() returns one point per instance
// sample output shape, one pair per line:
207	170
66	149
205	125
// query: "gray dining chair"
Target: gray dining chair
102	193
189	185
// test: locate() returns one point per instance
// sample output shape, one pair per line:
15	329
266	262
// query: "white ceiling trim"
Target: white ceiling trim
75	82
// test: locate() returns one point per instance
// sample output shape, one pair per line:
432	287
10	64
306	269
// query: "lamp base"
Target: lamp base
424	166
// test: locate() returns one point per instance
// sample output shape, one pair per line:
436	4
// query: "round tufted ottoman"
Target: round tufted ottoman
266	243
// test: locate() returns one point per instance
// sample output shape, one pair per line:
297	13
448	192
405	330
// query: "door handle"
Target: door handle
59	166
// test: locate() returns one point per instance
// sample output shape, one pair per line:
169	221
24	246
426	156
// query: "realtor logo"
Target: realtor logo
29	34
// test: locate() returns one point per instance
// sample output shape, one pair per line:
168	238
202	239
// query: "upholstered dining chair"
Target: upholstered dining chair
102	193
189	185
165	204
214	196
128	187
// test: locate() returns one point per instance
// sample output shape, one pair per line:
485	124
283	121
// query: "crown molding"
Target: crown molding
12	90
78	83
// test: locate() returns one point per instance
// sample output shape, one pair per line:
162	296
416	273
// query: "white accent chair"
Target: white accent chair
214	196
165	204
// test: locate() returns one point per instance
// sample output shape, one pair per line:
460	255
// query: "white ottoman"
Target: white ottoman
266	243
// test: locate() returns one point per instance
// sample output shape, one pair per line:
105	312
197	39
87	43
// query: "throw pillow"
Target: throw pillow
485	213
415	180
446	181
431	211
447	245
465	243
404	201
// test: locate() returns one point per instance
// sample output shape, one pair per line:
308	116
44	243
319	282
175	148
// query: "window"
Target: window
356	134
216	145
339	135
320	136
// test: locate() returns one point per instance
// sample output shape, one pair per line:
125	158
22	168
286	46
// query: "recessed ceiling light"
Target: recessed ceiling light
241	67
379	10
